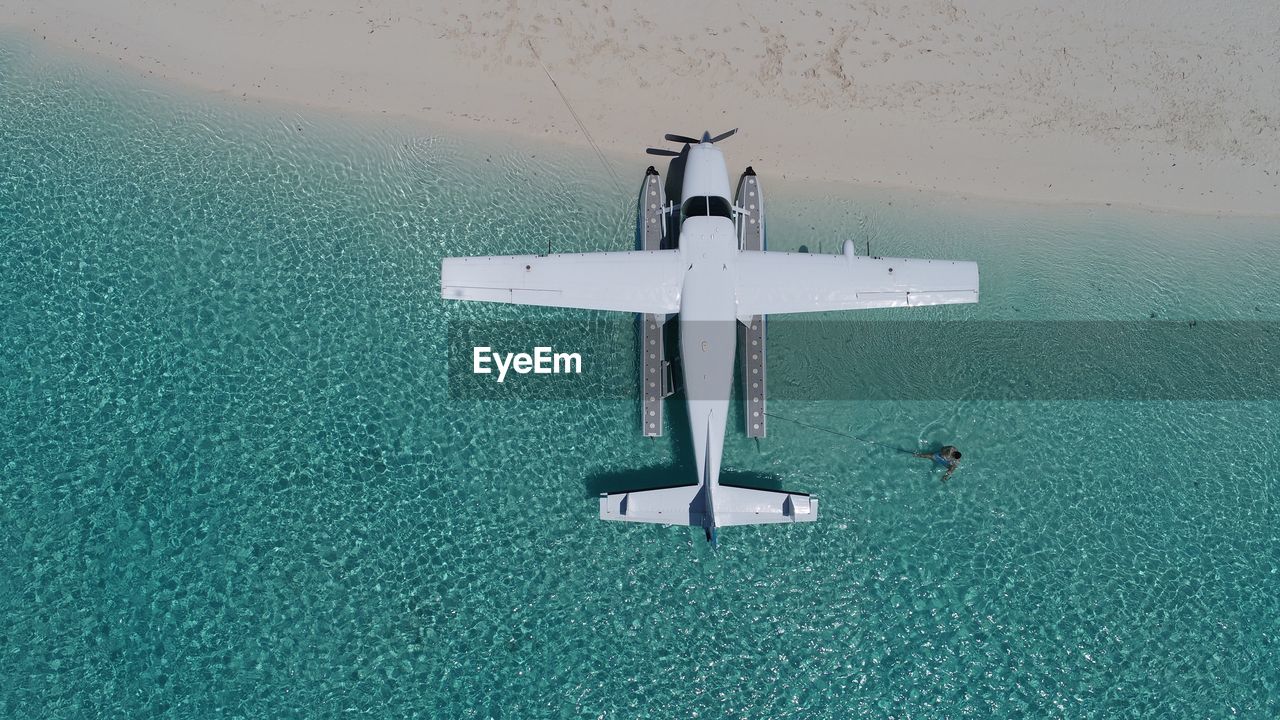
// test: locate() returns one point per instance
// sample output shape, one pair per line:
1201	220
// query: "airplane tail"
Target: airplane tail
684	505
709	507
749	506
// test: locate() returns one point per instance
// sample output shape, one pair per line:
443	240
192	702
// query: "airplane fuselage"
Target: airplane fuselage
708	311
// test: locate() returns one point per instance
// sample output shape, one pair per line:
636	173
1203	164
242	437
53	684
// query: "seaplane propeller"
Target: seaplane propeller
672	137
706	137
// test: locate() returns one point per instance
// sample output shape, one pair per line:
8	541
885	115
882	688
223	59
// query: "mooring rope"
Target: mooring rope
844	435
604	160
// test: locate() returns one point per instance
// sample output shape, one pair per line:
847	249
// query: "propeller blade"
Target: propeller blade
680	138
724	135
662	151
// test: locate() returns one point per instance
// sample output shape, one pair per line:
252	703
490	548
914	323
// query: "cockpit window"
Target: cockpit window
700	205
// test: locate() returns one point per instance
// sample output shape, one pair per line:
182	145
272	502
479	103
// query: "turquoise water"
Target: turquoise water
236	485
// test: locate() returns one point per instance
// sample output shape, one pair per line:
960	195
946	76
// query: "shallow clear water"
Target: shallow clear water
235	482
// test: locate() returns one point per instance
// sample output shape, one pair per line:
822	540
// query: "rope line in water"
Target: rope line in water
843	435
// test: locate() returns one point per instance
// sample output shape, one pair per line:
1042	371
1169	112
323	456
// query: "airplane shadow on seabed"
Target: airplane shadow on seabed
684	470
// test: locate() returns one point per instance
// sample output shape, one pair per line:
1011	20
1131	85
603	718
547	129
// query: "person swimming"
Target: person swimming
947	457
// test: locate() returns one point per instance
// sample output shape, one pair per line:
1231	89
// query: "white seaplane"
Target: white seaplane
708	264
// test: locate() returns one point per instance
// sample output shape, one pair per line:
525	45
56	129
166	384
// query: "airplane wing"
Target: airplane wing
770	283
642	281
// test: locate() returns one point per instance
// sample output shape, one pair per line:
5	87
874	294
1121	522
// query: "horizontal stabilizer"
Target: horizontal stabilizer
748	506
669	506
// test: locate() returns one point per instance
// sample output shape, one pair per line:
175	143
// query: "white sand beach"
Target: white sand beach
1158	104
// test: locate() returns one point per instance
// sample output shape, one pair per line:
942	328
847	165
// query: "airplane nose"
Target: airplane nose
706	136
